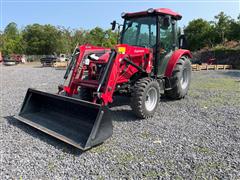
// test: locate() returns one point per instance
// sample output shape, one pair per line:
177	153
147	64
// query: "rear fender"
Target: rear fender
173	60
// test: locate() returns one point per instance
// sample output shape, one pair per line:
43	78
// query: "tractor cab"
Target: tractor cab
155	29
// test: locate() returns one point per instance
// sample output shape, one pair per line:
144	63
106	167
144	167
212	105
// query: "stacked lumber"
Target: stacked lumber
197	67
63	64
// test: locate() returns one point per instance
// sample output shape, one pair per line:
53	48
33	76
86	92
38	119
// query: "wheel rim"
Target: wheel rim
151	99
184	79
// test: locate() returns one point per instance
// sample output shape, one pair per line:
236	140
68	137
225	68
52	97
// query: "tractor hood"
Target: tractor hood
132	50
125	49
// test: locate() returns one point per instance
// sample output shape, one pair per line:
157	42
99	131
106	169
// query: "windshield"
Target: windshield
140	31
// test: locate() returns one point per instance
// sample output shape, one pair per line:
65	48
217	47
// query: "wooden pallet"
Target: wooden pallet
63	64
197	67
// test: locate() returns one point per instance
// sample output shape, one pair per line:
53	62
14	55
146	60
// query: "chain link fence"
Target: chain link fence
33	58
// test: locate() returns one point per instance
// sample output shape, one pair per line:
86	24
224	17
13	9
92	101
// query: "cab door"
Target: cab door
167	45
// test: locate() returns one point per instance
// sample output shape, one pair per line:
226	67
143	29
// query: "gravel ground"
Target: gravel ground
197	137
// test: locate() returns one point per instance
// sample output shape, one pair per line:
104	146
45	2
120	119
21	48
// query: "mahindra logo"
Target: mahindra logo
138	51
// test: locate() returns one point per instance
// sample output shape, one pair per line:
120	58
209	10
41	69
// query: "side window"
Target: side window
166	34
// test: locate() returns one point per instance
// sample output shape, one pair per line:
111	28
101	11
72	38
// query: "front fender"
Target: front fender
174	59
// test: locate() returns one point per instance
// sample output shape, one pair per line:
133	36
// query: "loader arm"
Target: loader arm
112	77
78	67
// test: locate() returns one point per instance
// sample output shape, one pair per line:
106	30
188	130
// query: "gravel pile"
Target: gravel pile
196	137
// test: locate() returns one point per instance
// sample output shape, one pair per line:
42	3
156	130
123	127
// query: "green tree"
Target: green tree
1	41
110	38
198	33
222	26
95	37
234	30
41	39
64	42
12	40
78	37
11	30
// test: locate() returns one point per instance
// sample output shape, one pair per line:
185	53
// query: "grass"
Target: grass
203	150
99	149
151	174
145	135
202	170
127	158
224	84
152	152
100	178
223	92
60	157
51	166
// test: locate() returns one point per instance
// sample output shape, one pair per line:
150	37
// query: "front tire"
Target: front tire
145	97
181	78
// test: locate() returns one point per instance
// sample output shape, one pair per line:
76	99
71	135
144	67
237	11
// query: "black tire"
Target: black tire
85	94
181	79
141	95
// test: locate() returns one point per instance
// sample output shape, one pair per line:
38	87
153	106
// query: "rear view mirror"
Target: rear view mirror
113	25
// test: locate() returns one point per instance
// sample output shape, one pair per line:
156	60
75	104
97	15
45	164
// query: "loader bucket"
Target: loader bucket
76	122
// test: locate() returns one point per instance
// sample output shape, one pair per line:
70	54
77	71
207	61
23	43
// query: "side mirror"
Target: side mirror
182	42
113	25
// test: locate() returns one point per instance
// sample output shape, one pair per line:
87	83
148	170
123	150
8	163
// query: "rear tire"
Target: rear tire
181	78
145	97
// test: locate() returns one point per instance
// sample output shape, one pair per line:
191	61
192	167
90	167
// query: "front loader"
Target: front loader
146	64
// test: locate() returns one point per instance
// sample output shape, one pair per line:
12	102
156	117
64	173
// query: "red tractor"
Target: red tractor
146	64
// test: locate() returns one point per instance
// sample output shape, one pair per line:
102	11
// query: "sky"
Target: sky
89	14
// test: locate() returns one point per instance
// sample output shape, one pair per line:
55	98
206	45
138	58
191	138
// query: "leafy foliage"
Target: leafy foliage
47	39
41	39
201	33
11	40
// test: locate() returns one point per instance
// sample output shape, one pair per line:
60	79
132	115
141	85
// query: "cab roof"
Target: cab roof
160	11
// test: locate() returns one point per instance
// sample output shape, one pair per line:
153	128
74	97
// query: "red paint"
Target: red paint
120	71
156	11
173	60
76	74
